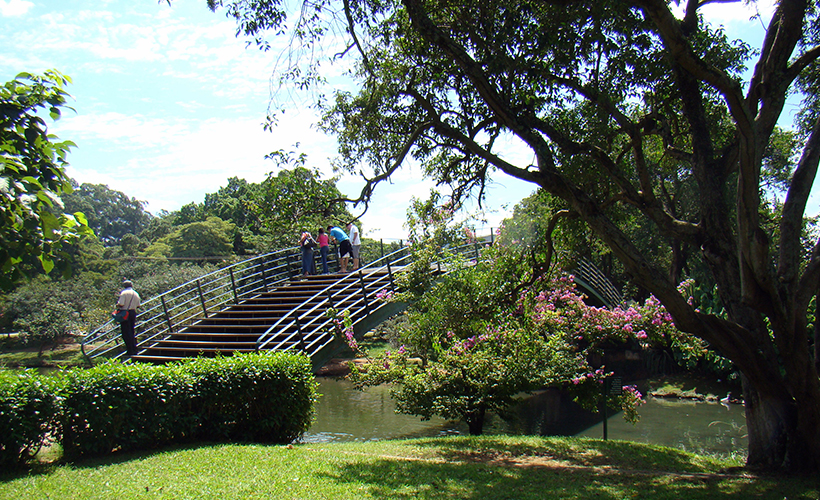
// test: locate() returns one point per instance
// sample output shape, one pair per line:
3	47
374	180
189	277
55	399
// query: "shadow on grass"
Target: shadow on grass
40	469
495	467
397	479
572	452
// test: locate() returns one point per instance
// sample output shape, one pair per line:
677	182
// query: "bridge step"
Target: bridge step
237	328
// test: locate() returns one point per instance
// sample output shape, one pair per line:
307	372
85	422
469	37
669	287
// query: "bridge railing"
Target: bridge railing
311	330
163	315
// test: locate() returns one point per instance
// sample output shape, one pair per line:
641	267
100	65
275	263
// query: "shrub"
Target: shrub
28	415
124	407
267	397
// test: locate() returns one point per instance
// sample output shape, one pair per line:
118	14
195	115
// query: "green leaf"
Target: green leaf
47	263
81	218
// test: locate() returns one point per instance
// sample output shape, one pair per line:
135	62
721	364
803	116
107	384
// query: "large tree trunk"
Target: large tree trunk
783	433
769	421
475	421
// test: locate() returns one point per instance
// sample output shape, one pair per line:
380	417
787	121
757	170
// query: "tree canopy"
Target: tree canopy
111	214
32	177
633	113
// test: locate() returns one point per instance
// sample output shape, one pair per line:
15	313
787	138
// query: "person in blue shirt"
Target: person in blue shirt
345	249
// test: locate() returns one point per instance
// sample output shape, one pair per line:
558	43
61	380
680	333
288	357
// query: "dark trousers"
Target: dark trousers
307	261
323	251
127	331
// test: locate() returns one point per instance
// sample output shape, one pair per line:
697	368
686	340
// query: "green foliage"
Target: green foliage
45	311
111	214
265	397
431	222
29	409
488	331
236	203
210	238
124	407
473	376
373	250
463	302
32	178
296	200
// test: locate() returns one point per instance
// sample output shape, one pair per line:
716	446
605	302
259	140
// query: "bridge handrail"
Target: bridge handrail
295	316
183	305
197	298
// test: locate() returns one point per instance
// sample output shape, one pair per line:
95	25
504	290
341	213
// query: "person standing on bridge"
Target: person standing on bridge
324	248
345	249
129	300
307	243
355	243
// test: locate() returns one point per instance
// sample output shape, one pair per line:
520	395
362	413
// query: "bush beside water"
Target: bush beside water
114	407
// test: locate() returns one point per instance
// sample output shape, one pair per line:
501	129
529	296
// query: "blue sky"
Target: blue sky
170	104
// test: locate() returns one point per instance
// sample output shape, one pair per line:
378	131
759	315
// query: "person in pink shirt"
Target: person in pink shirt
324	241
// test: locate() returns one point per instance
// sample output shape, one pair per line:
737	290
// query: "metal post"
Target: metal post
475	246
233	286
390	273
264	276
287	269
364	293
167	317
301	335
202	299
492	237
381	245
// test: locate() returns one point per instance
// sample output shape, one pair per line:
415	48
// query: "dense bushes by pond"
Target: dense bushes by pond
267	397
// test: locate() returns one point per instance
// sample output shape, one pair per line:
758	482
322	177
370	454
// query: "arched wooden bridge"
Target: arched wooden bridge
262	304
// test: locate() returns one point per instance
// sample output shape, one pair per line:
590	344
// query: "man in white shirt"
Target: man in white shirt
129	300
355	242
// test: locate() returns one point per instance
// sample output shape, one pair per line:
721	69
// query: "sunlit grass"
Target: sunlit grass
15	355
431	468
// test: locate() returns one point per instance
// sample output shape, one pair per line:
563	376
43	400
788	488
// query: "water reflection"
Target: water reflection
699	427
345	414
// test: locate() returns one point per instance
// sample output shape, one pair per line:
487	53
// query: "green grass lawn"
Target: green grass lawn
487	467
12	355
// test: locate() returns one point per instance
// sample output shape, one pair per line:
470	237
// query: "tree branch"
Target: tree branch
791	222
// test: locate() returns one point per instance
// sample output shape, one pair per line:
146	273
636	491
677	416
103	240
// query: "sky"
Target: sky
169	103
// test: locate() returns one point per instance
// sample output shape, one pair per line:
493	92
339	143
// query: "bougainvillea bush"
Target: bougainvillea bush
490	330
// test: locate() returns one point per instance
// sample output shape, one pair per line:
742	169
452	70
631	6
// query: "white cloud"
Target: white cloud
127	132
14	8
732	12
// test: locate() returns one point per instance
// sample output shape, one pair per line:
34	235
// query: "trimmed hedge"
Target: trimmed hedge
29	410
249	398
260	397
124	407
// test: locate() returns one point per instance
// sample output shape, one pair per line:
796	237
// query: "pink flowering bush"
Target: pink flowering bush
470	376
482	334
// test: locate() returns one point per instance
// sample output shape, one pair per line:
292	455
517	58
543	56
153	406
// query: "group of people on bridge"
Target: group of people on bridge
349	244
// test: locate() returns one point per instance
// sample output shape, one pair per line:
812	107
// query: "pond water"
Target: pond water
346	414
